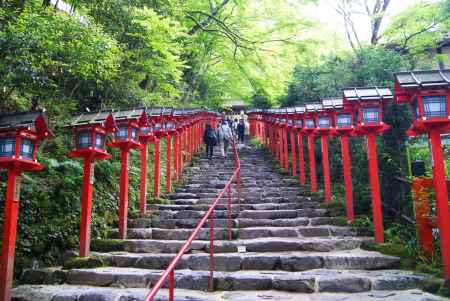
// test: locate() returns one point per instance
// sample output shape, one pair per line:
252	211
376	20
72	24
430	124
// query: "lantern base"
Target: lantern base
21	164
94	154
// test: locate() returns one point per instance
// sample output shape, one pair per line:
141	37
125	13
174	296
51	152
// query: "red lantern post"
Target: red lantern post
146	136
170	129
20	135
284	131
299	112
324	126
369	103
428	93
90	131
309	129
343	119
158	129
291	129
125	138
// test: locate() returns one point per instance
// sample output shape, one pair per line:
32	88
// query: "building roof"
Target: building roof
367	93
429	78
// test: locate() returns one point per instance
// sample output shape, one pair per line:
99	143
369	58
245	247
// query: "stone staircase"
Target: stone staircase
286	246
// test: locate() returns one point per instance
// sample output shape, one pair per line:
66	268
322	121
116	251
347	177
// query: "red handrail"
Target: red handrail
170	270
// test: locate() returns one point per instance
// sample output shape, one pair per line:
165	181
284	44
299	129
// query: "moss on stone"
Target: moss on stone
106	245
335	208
432	285
83	263
429	269
391	249
445	289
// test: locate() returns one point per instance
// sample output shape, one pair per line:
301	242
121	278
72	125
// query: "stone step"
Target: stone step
309	282
253	214
260	206
242	233
76	292
266	244
286	261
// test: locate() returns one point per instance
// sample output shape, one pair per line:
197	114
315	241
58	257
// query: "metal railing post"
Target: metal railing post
172	285
229	211
211	252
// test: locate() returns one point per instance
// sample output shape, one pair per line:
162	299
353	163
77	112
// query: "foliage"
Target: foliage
420	28
50	58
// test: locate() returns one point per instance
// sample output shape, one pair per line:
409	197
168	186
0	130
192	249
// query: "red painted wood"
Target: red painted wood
11	212
86	207
346	165
293	154
123	194
375	187
326	168
312	163
441	194
157	169
169	163
285	149
143	180
301	160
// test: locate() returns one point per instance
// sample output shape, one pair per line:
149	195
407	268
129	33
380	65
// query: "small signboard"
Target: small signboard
17	185
242	249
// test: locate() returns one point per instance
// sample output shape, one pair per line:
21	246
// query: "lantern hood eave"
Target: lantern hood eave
368	93
429	78
26	120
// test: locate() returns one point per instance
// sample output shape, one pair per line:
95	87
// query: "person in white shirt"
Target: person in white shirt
225	136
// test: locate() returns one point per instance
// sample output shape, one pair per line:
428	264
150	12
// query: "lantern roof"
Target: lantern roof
32	120
314	107
157	111
368	93
300	109
89	118
125	114
332	103
290	110
19	120
429	78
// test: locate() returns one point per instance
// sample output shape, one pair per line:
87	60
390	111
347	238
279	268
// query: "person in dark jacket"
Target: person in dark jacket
210	139
241	130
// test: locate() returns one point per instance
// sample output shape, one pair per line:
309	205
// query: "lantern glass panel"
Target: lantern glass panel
84	140
435	106
170	125
134	133
99	140
7	147
26	148
145	130
299	123
310	123
158	126
324	122
344	120
371	115
122	133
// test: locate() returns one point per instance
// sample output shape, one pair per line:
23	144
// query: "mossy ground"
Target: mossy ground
106	245
83	263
